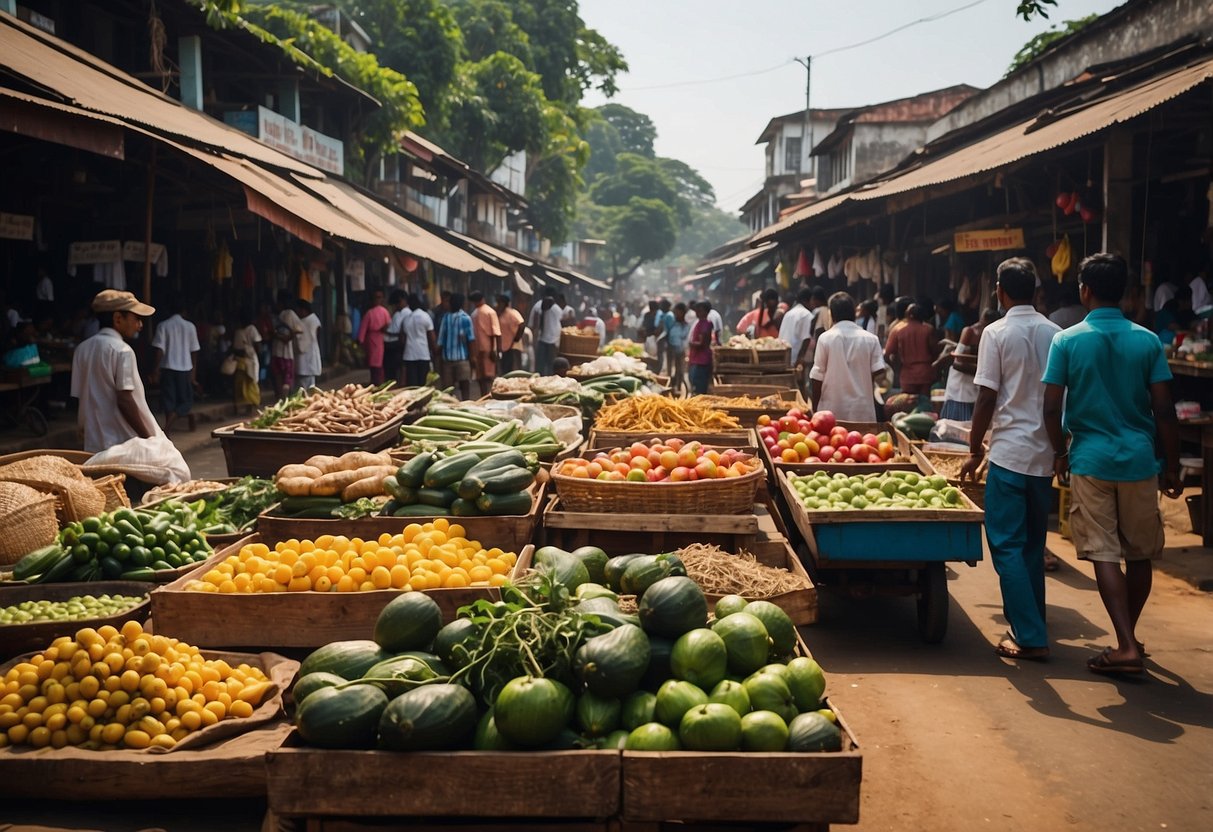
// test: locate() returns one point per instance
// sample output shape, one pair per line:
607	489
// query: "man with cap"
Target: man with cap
105	376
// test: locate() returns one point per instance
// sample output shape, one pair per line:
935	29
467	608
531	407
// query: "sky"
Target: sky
713	126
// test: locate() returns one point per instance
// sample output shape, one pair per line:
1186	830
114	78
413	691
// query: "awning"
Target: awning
1028	138
737	260
522	285
581	278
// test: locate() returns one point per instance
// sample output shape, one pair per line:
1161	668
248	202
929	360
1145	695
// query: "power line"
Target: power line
928	19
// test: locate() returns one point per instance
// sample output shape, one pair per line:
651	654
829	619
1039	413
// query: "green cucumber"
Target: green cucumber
517	503
145	573
440	497
449	470
37	562
506	481
393	488
412	473
58	571
110	568
421	510
465	508
505	459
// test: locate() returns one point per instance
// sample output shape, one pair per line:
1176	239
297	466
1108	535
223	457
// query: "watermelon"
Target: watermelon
532	712
813	732
408	622
673	606
346	718
746	641
700	657
309	684
710	727
429	718
347	659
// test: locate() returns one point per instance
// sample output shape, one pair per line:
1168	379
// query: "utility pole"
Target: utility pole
806	136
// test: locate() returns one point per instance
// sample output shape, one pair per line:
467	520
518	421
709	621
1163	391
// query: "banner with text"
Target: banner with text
304	143
998	239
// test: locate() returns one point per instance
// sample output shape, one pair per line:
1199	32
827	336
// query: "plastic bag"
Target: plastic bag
155	460
950	430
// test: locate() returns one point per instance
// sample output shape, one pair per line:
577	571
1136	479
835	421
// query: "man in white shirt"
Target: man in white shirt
287	327
417	332
847	360
105	376
307	364
1200	292
45	290
1011	360
797	330
393	355
1165	291
545	322
175	365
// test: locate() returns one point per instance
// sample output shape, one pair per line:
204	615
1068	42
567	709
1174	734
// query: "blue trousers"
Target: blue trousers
1017	514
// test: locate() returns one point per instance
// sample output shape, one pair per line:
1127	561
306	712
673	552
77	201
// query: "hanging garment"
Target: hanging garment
803	267
835	267
819	266
221	268
112	275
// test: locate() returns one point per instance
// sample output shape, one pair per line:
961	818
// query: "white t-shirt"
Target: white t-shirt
45	289
308	343
796	328
546	325
1011	361
103	365
1200	293
286	349
960	385
414	326
177	338
844	361
1162	294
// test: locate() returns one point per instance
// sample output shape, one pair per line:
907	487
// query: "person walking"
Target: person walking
392	354
455	339
105	376
764	320
246	378
845	365
175	365
487	346
545	324
417	332
960	395
915	347
287	328
661	323
699	350
796	329
308	364
1113	380
512	328
677	331
1010	404
371	331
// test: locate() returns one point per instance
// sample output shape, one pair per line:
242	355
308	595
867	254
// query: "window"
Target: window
791	154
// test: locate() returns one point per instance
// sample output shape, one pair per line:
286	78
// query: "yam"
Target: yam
296	470
330	485
296	486
361	459
323	463
368	486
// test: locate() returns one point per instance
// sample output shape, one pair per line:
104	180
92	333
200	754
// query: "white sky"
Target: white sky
713	126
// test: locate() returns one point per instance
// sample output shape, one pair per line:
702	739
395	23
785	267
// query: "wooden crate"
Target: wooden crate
746	360
282	619
261	453
744	787
509	532
620	534
784	380
578	344
886	536
312	782
900	442
22	638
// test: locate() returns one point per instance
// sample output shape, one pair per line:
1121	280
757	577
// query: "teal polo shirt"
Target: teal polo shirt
1107	365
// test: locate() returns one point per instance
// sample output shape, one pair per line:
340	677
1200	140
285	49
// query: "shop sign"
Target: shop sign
16	226
94	251
133	250
304	143
997	239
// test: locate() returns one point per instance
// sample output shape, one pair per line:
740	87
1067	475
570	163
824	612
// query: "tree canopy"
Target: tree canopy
1037	45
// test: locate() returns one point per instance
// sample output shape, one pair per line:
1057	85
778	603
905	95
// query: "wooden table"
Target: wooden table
1196	369
1200	431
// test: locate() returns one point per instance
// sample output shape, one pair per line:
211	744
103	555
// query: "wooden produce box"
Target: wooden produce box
282	619
22	638
887	536
783	379
261	453
747	360
621	534
578	344
744	787
900	442
232	765
947	463
316	783
509	532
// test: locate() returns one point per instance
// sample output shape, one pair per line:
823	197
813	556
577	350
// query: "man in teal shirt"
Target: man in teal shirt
1113	378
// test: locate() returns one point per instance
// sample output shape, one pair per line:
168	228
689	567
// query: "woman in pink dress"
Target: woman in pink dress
370	335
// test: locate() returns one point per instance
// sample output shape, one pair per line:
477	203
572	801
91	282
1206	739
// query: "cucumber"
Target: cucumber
59	570
517	503
507	481
421	510
37	562
465	508
145	573
440	497
450	470
395	490
412	473
110	568
290	505
506	459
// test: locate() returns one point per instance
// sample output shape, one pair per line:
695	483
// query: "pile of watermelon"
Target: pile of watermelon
557	665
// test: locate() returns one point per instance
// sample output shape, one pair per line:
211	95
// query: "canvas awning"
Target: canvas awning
1013	144
737	260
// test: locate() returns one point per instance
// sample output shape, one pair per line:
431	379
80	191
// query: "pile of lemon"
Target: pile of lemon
106	689
436	555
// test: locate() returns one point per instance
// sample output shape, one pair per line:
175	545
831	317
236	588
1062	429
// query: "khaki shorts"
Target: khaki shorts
455	371
1111	521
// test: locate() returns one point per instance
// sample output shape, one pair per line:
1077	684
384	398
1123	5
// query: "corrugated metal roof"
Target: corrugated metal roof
1013	144
72	73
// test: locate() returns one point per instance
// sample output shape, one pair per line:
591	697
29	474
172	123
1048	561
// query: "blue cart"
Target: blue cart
870	552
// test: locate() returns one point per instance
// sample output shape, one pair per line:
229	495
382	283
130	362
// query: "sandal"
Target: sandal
1104	665
1008	649
1052	562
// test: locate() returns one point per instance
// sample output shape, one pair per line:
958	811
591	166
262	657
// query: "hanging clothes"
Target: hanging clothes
835	267
819	266
221	268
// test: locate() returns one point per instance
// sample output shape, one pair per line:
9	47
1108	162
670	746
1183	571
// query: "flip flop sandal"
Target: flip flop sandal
1103	665
1008	649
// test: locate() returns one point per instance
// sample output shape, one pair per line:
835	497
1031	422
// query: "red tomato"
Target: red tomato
854	437
675	444
669	460
870	440
788	423
641	463
837	441
823	421
680	474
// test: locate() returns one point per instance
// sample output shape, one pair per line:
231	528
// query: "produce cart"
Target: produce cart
887	552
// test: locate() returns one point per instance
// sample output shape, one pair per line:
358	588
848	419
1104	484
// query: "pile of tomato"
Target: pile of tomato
798	437
670	460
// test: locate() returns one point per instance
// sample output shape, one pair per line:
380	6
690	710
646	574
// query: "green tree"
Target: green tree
1027	9
637	232
636	131
604	143
637	177
1037	45
692	188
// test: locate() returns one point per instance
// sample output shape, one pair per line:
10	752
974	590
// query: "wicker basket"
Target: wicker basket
578	344
27	521
77	496
717	496
113	489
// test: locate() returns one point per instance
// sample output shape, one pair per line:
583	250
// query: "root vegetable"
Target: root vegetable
296	486
295	470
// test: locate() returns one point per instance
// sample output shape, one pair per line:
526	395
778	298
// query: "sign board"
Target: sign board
16	226
304	143
94	251
998	239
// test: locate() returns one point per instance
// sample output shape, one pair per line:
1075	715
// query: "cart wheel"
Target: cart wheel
35	421
933	603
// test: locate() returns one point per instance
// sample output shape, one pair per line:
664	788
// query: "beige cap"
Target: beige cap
111	300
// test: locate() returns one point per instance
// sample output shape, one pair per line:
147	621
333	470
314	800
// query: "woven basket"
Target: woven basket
717	496
76	495
578	344
113	489
27	521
